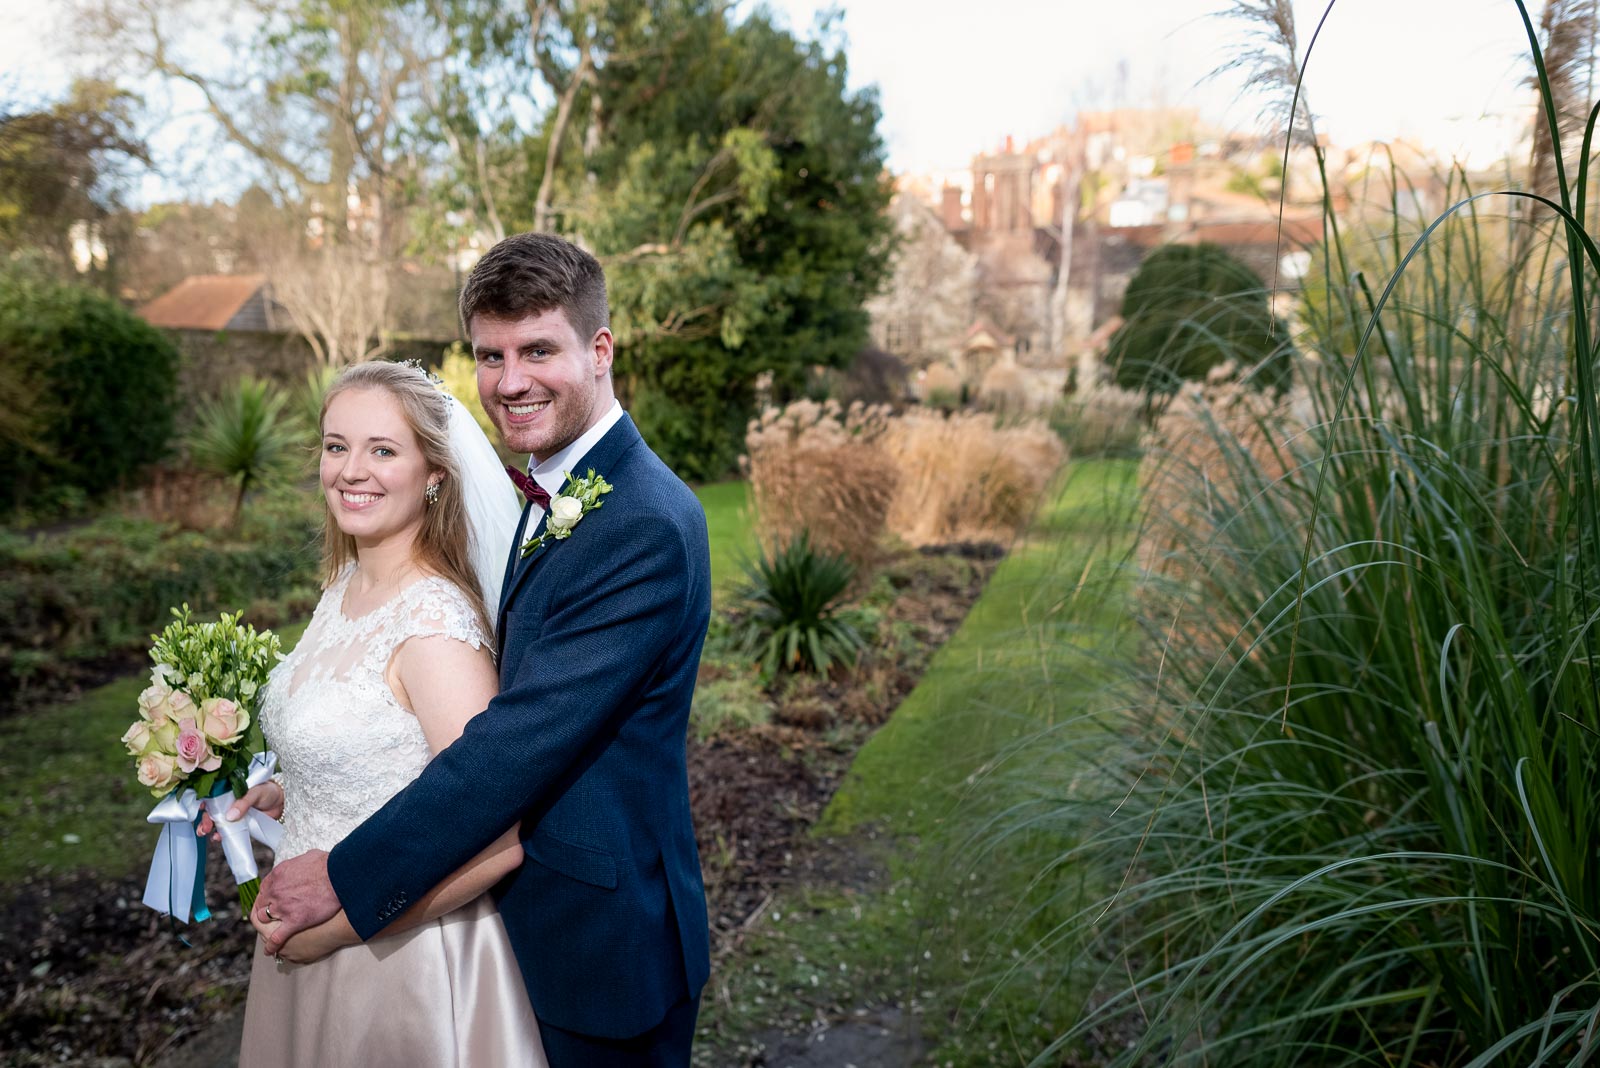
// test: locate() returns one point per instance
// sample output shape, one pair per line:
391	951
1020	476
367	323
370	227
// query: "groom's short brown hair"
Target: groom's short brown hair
528	274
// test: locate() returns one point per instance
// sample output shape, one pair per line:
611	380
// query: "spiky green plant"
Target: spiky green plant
792	622
244	437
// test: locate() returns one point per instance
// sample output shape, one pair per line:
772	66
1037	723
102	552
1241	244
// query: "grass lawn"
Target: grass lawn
727	506
1028	654
1032	655
71	801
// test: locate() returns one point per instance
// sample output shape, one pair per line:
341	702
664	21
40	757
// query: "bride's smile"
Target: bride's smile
373	470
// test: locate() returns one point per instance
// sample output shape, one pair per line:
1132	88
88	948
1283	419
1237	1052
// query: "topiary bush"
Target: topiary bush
90	387
1190	308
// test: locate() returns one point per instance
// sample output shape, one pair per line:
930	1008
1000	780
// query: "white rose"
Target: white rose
138	738
564	514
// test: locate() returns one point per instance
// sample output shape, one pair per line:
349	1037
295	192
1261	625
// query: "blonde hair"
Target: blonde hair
442	545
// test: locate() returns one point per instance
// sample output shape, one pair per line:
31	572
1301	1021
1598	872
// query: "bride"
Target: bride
396	659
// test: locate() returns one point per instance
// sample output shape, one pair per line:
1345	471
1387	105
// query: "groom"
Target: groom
584	748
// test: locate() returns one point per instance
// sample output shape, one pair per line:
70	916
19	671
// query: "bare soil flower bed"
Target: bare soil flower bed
91	976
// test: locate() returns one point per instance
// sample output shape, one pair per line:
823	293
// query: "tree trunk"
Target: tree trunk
558	133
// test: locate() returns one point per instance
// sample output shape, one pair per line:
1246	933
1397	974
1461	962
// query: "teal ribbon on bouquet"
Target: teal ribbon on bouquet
176	886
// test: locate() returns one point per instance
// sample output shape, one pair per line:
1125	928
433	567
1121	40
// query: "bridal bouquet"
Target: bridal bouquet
199	745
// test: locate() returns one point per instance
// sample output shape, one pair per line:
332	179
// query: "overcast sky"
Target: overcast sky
955	77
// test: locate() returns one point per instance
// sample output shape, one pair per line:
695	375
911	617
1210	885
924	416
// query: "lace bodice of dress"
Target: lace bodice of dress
344	744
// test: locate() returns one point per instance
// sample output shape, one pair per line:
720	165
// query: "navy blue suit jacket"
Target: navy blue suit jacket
584	748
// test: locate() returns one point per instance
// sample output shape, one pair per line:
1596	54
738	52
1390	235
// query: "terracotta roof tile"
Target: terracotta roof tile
202	301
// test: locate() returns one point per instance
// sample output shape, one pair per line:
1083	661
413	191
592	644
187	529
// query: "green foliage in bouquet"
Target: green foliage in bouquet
219	668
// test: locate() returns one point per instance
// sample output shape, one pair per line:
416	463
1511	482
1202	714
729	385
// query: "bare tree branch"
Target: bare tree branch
338	300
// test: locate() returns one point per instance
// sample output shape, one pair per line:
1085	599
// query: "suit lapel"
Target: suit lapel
603	459
513	560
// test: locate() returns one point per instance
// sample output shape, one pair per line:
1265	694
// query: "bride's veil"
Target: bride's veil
491	502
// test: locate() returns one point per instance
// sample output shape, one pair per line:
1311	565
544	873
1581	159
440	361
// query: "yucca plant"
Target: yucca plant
792	622
1348	814
243	437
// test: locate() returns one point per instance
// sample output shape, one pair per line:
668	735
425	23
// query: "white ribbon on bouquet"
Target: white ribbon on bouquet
176	886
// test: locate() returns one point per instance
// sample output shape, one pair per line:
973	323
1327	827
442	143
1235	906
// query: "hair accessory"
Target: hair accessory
429	375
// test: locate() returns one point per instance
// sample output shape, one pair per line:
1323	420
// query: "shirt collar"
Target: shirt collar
551	474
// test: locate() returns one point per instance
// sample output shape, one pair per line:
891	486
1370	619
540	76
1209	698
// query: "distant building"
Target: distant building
1058	226
214	302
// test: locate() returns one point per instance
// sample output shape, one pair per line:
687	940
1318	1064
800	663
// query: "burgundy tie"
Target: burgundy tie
530	489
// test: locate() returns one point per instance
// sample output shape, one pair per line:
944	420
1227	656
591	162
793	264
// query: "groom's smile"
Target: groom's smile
524	413
540	382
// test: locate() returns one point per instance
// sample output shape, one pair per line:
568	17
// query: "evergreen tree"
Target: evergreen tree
1190	308
734	188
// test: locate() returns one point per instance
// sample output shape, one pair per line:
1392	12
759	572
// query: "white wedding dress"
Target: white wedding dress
445	993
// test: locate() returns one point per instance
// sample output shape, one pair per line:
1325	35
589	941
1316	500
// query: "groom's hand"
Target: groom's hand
295	895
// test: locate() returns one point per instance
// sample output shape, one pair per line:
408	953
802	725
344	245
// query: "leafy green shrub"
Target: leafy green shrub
1188	309
873	377
71	599
792	596
88	389
698	439
244	437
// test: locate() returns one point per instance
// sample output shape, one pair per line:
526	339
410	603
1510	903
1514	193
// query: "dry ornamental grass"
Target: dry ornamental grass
941	386
821	468
964	477
851	475
1005	388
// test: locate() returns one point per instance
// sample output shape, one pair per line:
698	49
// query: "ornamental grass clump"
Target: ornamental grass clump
967	476
1006	388
1349	817
820	469
1103	420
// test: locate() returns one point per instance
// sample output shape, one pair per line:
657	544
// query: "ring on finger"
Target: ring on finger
266	913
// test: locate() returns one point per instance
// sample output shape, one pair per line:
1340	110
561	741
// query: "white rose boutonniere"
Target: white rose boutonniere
564	515
579	497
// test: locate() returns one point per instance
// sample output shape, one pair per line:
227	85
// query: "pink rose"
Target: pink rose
158	771
193	750
222	720
138	737
180	705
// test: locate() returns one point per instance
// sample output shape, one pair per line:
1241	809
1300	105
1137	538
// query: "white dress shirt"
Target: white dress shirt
551	475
